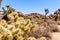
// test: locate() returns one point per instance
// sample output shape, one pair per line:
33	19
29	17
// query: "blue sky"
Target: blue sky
29	6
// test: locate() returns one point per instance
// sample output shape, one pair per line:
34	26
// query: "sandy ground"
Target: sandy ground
56	35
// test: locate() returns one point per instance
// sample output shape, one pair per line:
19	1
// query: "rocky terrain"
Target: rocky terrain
49	29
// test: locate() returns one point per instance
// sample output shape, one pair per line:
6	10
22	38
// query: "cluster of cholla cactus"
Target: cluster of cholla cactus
17	29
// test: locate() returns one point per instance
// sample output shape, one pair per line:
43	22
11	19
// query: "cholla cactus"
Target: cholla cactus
20	38
17	30
5	33
43	38
31	38
3	23
13	16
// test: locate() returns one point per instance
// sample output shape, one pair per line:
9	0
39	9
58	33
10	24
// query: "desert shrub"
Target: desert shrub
44	29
